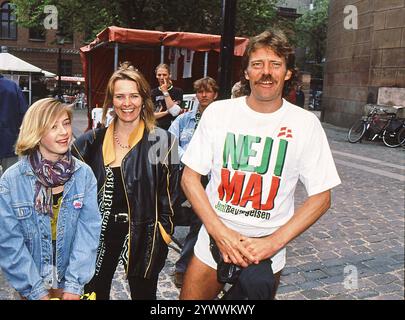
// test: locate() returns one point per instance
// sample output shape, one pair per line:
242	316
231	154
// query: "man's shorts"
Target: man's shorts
203	253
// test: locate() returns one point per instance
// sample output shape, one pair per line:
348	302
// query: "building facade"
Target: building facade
361	60
39	47
299	5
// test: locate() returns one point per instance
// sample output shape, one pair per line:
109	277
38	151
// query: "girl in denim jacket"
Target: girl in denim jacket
50	222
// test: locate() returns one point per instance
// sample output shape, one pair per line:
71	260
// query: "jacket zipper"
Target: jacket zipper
154	228
167	189
129	212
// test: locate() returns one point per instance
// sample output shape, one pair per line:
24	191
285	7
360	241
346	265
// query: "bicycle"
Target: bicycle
374	126
391	133
401	135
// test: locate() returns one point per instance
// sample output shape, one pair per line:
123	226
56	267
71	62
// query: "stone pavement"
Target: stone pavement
354	252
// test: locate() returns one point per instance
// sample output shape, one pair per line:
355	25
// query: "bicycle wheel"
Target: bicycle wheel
401	137
356	132
390	138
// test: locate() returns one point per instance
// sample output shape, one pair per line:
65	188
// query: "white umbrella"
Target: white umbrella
11	64
48	74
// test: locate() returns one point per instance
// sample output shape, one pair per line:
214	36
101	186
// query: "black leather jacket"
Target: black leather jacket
151	181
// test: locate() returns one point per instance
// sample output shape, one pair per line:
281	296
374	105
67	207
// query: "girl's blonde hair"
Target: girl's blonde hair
39	118
128	72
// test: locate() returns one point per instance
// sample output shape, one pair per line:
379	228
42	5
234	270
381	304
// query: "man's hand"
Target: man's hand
261	248
230	243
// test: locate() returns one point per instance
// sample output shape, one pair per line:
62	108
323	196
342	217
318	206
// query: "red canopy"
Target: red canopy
143	49
188	40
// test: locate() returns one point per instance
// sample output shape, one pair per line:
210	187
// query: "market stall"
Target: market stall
190	56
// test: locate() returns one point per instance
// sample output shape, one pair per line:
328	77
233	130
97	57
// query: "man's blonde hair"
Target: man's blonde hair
39	118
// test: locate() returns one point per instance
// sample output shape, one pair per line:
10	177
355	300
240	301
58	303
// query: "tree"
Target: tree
204	16
311	30
253	17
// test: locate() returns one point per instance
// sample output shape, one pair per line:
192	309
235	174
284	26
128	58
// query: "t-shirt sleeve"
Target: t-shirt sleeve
199	153
317	168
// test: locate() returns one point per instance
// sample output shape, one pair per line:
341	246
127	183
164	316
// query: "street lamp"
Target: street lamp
60	40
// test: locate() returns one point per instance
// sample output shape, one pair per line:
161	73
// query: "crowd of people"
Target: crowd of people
71	211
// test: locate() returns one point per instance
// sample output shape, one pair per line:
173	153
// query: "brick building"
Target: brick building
300	6
37	46
360	61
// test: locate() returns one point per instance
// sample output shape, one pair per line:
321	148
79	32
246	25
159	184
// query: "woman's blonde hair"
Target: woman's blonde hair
128	72
39	118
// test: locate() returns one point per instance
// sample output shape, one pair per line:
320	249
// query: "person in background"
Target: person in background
237	90
50	223
256	148
137	170
13	106
300	97
183	128
166	98
291	96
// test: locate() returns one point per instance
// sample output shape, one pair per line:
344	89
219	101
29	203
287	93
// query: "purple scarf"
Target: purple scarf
49	175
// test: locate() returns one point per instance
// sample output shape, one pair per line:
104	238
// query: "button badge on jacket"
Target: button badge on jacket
78	204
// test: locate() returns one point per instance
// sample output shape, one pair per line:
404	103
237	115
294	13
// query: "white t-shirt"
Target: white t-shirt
255	160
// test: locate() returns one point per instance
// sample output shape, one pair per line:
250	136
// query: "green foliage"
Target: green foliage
203	16
311	30
253	17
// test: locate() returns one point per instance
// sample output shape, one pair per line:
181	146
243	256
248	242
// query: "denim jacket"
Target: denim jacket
183	128
25	239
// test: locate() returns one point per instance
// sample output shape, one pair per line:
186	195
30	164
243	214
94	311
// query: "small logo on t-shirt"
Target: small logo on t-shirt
285	132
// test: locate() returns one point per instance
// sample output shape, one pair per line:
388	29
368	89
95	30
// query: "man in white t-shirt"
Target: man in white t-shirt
256	148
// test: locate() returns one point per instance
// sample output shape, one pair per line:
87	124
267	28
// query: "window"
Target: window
8	21
66	27
37	33
66	67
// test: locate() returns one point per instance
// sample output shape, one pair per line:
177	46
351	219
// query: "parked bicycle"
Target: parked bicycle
391	135
401	135
377	124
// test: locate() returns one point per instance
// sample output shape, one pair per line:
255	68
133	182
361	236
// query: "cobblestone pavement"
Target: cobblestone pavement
355	251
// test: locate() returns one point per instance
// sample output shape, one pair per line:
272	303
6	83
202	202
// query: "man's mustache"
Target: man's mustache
265	79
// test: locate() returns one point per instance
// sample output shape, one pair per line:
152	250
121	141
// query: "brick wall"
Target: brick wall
360	61
44	54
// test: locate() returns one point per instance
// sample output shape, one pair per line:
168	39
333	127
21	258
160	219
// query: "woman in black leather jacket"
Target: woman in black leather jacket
136	166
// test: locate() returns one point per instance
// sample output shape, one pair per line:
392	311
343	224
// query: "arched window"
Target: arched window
8	25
